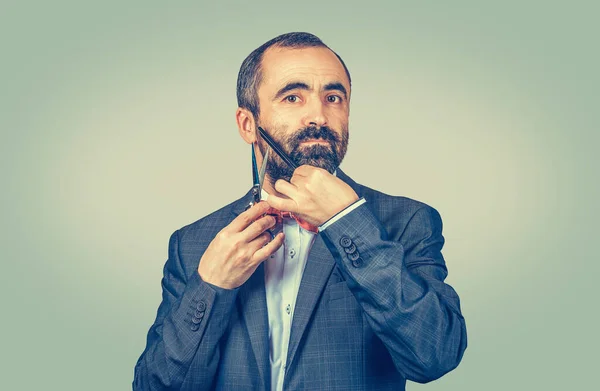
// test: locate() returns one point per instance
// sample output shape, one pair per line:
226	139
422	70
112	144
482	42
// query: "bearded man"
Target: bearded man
348	295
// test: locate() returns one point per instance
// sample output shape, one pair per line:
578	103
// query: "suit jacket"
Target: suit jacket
372	309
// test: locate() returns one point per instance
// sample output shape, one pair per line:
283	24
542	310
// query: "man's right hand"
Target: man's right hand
238	249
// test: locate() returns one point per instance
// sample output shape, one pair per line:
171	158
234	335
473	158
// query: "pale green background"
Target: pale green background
118	128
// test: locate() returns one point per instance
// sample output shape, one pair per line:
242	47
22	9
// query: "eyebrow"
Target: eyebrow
336	86
298	85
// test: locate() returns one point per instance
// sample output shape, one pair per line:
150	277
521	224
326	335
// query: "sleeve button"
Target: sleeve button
345	241
353	256
350	249
358	262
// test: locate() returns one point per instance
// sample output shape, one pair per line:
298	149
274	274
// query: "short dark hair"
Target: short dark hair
250	75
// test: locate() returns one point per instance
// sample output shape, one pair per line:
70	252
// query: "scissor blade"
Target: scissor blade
256	181
276	148
263	168
255	174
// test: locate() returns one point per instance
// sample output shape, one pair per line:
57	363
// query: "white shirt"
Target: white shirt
283	273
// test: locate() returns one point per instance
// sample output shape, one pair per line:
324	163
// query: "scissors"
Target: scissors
258	176
276	148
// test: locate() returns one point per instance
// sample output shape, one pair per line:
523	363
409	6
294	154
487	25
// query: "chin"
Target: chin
325	164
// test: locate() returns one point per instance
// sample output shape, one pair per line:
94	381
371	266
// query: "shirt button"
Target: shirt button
292	252
288	309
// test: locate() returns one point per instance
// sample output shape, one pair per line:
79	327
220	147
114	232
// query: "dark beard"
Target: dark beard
327	157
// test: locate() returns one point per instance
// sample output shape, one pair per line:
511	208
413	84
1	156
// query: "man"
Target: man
358	303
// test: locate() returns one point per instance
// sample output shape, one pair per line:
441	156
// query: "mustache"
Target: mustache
313	132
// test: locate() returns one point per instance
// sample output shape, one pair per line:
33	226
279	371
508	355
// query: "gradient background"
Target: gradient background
118	128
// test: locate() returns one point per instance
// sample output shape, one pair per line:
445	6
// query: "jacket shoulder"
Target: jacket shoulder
383	202
396	212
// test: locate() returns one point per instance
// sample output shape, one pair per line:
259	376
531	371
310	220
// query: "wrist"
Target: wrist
216	283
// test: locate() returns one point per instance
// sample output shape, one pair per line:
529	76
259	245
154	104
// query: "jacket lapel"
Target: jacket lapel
253	306
252	301
319	266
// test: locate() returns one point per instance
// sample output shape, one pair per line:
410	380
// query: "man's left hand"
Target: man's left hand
313	194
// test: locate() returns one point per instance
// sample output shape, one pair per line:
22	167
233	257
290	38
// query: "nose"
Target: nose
315	114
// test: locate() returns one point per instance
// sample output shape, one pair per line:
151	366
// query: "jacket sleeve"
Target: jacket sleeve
190	321
399	282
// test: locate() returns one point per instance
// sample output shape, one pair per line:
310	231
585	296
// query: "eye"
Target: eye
291	98
334	99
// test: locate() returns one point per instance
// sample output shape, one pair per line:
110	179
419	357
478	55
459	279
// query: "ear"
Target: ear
246	125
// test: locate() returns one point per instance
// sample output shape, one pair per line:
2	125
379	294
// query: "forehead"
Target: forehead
312	65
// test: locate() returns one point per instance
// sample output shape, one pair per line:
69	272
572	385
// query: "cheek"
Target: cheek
338	115
282	125
286	120
340	125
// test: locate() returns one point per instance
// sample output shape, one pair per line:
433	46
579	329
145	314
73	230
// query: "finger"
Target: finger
286	188
266	251
298	179
247	217
260	241
304	170
257	228
283	204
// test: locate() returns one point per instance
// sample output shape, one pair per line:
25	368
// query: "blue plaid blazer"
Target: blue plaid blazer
372	310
